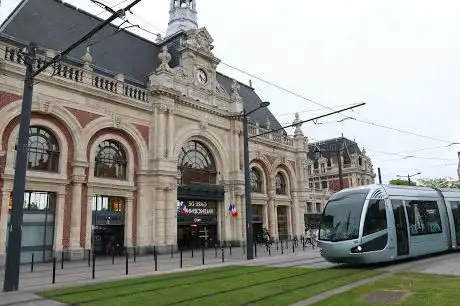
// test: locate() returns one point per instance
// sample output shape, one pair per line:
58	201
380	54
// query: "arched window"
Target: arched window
280	183
111	161
43	150
196	164
256	180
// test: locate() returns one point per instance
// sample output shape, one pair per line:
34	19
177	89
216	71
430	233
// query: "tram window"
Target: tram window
376	217
424	218
455	213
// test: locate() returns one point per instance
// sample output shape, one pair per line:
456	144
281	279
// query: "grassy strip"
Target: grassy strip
222	286
421	289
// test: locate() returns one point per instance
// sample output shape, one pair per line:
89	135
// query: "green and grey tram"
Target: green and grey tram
382	223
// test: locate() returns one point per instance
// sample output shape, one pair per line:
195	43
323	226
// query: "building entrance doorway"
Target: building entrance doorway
108	225
197	236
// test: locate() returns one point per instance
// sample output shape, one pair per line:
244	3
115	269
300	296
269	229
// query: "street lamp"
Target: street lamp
247	182
409	176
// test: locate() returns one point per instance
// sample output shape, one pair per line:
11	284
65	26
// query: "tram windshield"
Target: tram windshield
341	216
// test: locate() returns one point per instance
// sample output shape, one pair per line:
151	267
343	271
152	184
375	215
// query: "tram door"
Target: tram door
402	235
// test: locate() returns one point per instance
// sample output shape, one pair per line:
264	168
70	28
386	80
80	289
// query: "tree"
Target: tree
446	182
401	182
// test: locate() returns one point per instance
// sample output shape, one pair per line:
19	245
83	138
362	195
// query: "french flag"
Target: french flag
232	209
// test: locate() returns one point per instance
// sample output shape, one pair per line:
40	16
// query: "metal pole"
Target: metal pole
380	176
408	179
13	251
247	192
339	159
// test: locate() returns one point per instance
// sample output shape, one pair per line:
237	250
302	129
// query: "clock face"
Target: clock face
201	76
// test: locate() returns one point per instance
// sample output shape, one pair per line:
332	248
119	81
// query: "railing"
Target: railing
275	136
80	75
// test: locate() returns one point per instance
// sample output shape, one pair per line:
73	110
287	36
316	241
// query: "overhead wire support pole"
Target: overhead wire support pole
308	120
13	250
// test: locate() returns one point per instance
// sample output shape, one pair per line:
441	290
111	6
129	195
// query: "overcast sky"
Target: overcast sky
401	57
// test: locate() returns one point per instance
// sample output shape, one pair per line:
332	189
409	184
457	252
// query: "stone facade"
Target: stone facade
323	173
84	108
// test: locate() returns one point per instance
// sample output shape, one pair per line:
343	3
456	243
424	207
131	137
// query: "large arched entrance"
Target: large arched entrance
198	196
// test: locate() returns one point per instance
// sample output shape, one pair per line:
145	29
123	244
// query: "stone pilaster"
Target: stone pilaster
78	179
160	224
296	215
89	221
59	221
171	133
272	215
144	211
171	215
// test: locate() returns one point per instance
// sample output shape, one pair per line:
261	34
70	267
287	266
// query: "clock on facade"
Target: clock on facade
201	76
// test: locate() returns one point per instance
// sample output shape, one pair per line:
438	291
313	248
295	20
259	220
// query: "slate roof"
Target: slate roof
329	147
55	25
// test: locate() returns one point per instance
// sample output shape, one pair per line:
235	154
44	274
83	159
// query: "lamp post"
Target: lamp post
409	176
247	182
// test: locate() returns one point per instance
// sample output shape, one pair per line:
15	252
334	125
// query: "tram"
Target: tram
384	223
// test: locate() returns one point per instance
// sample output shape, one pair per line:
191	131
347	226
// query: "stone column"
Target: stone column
170	212
160	226
272	224
265	219
236	150
161	128
78	179
144	212
295	214
59	220
171	132
129	222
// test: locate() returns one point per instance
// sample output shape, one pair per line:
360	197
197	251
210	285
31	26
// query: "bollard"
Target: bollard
282	250
94	265
54	270
62	260
89	258
181	258
277	245
269	250
202	254
303	245
192	251
230	250
134	249
155	258
223	254
293	248
255	249
32	263
113	258
127	260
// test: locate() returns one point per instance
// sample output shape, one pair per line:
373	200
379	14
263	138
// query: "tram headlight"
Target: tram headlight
357	249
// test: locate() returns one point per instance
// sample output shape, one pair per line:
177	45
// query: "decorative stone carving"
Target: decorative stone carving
87	59
221	91
45	106
199	40
203	125
182	74
298	125
236	91
165	58
267	123
116	121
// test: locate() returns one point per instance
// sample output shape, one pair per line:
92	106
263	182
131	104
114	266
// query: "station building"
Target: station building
132	142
